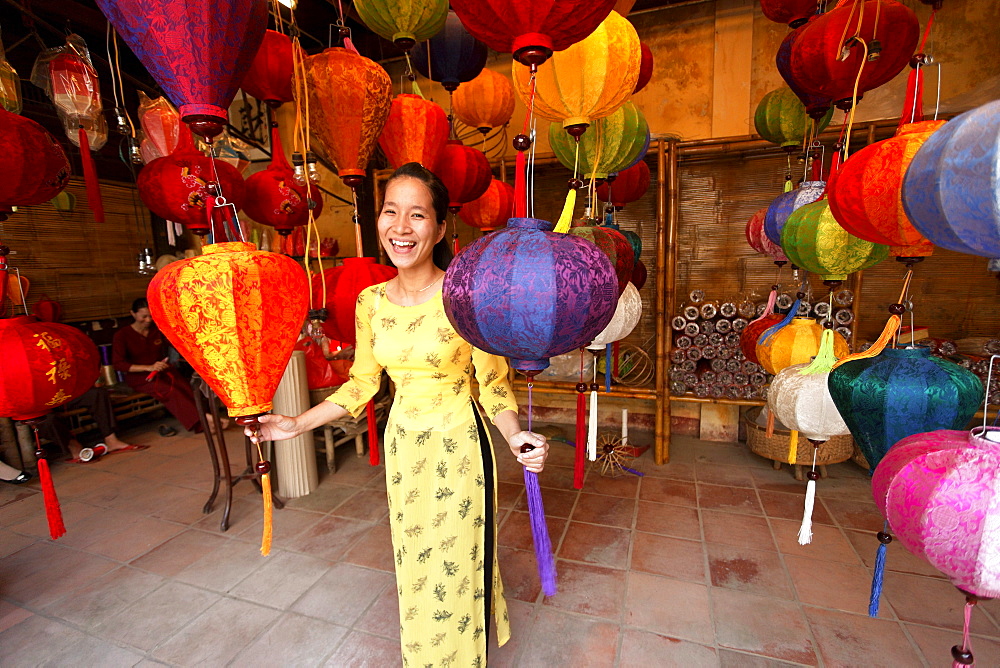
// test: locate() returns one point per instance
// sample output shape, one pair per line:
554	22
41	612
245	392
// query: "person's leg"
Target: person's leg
12	475
97	401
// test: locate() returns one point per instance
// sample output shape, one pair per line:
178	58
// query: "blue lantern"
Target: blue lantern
784	204
451	57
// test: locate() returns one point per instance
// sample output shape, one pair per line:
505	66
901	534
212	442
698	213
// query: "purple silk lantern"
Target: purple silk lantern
784	204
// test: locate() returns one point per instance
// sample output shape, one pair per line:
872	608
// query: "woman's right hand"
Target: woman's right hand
275	427
156	367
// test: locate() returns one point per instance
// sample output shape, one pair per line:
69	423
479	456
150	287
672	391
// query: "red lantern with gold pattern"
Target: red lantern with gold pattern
269	78
465	171
628	186
752	332
34	166
275	199
343	285
415	131
491	211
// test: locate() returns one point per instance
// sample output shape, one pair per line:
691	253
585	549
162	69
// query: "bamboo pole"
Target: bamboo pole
666	264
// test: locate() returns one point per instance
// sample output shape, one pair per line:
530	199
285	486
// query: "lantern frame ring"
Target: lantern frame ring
986	399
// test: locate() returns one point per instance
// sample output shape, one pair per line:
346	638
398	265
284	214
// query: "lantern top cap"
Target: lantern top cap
348	261
531	224
228	247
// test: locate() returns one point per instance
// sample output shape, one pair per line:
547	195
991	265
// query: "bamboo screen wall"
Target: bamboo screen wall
89	269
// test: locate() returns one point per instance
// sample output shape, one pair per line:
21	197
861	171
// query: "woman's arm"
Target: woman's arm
510	426
276	427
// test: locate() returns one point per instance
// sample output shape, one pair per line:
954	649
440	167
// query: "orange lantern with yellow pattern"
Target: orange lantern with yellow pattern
492	209
795	343
415	131
486	102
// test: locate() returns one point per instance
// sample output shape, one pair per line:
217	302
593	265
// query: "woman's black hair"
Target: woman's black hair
139	303
439	198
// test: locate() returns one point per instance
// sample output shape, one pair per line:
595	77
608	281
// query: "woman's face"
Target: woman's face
407	227
142	318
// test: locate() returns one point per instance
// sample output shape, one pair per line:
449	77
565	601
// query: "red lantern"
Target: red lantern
175	187
752	332
639	274
492	210
465	172
629	186
274	198
792	12
33	164
612	243
759	240
415	131
270	75
343	285
818	65
47	310
645	67
531	29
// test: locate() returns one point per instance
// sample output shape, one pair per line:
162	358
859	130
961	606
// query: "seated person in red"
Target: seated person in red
139	351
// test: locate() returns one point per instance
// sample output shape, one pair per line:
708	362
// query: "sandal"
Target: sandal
166	431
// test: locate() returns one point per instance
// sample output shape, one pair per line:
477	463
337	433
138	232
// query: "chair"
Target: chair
338	432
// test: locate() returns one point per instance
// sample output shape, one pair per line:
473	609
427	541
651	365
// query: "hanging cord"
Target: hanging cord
963	655
891	326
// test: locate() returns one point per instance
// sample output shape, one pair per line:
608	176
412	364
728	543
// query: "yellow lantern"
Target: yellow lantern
796	343
589	80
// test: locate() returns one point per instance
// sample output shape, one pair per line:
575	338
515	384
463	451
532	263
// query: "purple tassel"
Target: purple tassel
632	471
540	534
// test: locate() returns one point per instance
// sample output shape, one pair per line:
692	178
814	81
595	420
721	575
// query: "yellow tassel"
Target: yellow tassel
770	424
883	340
566	217
265	541
793	447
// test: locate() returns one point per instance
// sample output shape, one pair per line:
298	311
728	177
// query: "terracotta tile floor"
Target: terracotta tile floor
695	564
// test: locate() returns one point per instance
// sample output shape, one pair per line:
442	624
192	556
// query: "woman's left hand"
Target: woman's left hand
533	460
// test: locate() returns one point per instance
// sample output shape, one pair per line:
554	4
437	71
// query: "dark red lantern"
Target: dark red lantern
465	171
275	199
415	131
639	274
629	186
874	38
33	164
47	310
792	12
343	285
817	106
612	243
752	332
531	29
645	67
492	210
270	75
175	187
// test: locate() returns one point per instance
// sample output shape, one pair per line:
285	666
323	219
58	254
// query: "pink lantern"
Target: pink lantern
760	242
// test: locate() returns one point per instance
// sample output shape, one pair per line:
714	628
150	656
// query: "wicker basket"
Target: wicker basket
837	449
859	458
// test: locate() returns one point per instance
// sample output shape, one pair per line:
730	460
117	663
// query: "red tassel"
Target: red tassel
913	104
521	185
372	435
90	176
817	168
835	162
53	513
455	243
581	439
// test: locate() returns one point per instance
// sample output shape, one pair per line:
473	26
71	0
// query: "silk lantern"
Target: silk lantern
901	392
403	23
486	102
415	131
586	81
817	106
785	203
626	317
175	187
822	64
529	294
269	77
782	119
491	210
949	191
10	85
349	101
614	143
197	57
628	186
813	240
752	332
759	241
634	240
639	275
865	194
792	12
645	66
273	197
796	343
33	163
465	171
160	126
612	244
452	57
531	29
343	284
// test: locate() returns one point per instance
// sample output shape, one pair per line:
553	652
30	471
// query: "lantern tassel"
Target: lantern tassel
880	343
592	428
53	511
536	515
581	439
607	367
884	539
774	329
770	424
771	301
793	446
806	530
373	457
963	653
566	217
520	185
90	177
265	539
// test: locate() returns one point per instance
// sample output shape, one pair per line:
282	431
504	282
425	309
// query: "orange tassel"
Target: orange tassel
265	540
770	424
53	513
880	343
793	447
373	457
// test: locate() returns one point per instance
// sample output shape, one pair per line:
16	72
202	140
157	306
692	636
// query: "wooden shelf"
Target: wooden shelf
555	387
712	400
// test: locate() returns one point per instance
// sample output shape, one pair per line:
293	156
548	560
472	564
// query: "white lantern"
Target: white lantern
626	317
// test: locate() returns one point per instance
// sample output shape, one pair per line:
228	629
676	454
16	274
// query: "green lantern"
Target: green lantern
814	240
404	23
782	119
610	145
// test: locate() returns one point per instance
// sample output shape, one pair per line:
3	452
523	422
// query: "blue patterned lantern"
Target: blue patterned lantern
900	392
785	203
529	294
451	57
950	189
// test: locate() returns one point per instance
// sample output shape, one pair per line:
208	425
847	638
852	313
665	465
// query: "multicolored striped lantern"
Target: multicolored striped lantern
760	242
349	101
782	119
529	294
813	240
465	171
415	131
949	192
486	102
865	194
751	334
343	284
792	12
784	204
629	185
588	80
452	57
269	77
403	23
901	392
611	146
490	211
795	343
612	243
